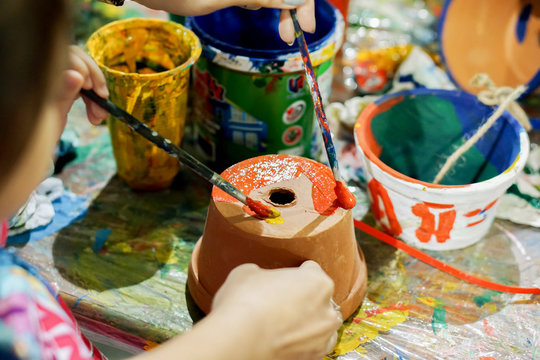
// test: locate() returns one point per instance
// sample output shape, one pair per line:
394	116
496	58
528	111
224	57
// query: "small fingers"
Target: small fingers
71	85
306	16
286	27
310	264
275	4
94	78
242	271
96	114
331	342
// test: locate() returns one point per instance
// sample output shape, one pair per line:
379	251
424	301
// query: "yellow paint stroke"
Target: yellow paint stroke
376	317
275	221
430	301
513	164
449	286
366	325
491	307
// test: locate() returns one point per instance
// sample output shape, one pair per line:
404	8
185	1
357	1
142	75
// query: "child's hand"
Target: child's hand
305	10
82	73
289	310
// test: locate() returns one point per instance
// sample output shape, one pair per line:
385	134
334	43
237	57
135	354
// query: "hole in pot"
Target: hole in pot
282	197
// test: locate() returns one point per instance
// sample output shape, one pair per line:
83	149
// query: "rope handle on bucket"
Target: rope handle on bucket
390	240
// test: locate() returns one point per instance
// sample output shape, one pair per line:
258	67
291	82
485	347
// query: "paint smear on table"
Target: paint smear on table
366	325
438	319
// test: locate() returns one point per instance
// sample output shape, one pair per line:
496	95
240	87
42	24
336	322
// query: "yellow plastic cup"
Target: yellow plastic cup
146	63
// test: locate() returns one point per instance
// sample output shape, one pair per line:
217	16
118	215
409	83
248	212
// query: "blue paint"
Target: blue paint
462	114
79	300
99	241
68	208
521	25
255	33
400	354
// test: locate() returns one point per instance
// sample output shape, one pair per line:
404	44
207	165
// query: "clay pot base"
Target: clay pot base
203	299
312	227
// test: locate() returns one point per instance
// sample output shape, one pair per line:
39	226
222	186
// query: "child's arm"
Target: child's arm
82	73
260	314
305	11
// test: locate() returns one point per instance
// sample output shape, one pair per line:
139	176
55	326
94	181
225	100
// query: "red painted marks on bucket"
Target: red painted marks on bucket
477	212
427	227
377	191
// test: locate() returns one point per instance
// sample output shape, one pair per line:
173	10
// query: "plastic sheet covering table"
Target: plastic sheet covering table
122	270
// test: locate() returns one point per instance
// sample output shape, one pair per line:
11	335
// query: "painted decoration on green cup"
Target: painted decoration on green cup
249	87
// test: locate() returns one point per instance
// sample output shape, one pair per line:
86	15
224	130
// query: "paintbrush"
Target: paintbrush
181	155
345	197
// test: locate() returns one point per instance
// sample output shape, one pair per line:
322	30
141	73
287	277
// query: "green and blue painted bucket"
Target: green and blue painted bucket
404	139
249	87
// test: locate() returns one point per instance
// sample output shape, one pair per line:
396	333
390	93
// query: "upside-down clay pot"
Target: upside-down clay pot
499	38
312	226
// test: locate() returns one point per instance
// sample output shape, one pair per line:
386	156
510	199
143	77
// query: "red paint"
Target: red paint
264	170
476	223
473	213
427	226
479	211
261	209
376	191
422	256
438	206
382	310
345	198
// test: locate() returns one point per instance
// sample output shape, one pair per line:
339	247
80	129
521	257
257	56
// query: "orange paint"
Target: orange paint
377	191
264	170
473	213
439	206
382	310
427	227
479	211
476	223
490	205
372	149
345	198
363	130
261	209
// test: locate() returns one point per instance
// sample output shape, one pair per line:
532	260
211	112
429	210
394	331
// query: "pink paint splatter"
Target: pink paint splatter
489	330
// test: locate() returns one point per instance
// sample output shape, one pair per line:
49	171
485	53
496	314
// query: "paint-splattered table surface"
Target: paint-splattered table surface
133	289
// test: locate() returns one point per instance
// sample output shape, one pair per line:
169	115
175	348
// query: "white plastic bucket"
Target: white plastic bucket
404	138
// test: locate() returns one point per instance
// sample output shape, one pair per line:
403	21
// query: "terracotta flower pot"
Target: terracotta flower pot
313	227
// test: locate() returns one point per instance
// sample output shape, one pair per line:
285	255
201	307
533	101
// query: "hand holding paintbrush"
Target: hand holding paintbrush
185	158
345	198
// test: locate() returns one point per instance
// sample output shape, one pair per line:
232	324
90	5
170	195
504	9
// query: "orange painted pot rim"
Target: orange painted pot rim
367	144
194	44
319	174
